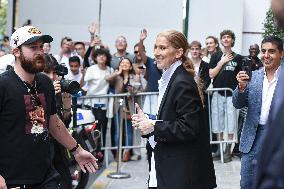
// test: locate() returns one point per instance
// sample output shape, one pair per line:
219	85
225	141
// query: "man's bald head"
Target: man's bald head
255	46
253	50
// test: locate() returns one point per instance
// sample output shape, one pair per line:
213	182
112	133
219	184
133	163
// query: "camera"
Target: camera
69	86
246	66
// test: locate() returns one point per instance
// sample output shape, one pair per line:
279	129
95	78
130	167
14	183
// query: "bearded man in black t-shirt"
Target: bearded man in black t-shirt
28	116
224	66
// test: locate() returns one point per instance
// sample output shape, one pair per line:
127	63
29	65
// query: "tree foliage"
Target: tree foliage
270	28
3	16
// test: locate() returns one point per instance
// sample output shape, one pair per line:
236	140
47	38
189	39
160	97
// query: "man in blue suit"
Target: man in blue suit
270	168
257	95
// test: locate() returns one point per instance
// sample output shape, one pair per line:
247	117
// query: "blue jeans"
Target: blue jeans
127	131
249	160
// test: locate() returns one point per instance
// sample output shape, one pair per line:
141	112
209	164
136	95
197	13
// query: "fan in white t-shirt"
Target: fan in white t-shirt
95	76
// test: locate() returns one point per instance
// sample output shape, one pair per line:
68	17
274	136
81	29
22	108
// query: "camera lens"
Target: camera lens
69	86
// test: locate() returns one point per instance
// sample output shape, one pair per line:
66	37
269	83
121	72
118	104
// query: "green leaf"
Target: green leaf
3	16
270	28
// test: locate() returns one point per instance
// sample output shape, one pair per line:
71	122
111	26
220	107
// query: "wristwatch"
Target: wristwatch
75	148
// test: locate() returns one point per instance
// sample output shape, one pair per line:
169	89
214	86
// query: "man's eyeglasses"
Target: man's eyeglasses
121	41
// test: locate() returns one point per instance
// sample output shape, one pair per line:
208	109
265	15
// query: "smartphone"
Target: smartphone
246	66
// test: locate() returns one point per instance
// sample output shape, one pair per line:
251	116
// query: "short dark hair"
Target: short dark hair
79	43
74	59
102	51
50	63
195	43
230	33
274	40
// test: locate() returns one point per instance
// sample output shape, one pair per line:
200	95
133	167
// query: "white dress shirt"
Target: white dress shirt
165	79
163	84
267	95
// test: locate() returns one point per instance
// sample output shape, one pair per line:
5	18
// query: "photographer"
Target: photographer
58	151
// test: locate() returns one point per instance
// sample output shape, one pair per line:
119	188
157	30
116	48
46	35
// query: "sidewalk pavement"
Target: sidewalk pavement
228	175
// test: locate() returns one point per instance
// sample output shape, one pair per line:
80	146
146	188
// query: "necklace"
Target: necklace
29	88
27	84
37	113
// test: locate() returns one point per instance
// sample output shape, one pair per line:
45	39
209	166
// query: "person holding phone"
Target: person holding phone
270	174
247	67
256	93
250	63
179	135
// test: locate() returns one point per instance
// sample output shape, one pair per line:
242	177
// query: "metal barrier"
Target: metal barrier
148	102
214	93
115	104
118	174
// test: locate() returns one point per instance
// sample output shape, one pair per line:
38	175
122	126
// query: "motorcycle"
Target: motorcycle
83	128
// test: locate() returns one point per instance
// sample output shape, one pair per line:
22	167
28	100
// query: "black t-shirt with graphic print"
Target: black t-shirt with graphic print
24	119
226	78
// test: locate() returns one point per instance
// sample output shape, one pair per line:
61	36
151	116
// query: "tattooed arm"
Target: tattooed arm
85	159
60	132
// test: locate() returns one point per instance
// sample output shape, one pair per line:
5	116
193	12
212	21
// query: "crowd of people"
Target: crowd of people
179	151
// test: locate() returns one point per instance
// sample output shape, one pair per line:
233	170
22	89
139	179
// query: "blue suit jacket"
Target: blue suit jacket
270	167
251	98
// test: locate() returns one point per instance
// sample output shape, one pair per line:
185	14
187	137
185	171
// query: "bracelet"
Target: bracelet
75	148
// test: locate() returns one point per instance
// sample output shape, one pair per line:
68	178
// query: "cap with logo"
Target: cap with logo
26	35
